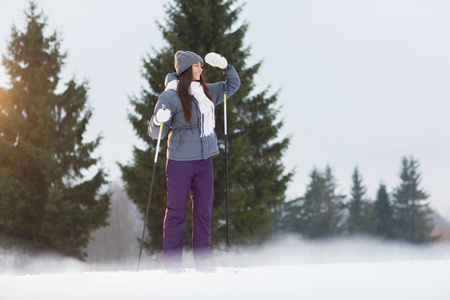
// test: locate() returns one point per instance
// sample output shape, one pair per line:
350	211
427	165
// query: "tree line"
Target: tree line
323	212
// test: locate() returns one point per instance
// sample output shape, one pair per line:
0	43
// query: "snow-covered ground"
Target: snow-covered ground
287	269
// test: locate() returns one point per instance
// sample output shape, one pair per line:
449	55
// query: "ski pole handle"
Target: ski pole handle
225	111
159	137
159	140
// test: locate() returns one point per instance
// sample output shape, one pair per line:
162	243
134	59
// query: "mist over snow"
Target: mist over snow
284	268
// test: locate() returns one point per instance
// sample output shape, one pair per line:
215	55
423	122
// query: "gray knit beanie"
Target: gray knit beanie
185	59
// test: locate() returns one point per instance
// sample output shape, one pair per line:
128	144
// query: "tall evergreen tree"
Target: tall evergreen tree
381	215
357	205
43	197
257	178
319	212
411	209
305	214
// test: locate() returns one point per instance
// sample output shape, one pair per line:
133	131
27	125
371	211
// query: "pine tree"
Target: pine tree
381	215
305	214
319	212
412	212
357	205
334	203
43	197
257	179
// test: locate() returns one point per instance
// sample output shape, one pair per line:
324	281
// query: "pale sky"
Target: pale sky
363	83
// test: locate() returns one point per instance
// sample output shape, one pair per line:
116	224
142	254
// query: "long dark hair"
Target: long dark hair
184	87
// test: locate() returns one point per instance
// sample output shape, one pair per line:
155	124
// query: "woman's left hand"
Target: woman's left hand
216	60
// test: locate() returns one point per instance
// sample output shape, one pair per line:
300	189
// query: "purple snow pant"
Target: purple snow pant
198	176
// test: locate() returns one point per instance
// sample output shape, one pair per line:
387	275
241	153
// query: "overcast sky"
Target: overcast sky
363	83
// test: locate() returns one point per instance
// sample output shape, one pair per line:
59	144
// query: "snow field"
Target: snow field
288	268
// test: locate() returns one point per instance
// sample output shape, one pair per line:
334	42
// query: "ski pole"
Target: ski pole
227	249
150	193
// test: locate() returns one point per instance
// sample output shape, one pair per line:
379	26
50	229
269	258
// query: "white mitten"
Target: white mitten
216	60
162	115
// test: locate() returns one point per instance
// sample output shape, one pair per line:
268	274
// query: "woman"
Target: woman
187	107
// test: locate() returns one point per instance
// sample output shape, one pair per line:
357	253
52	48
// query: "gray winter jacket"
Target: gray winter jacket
184	141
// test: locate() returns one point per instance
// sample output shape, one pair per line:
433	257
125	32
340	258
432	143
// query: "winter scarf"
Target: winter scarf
207	120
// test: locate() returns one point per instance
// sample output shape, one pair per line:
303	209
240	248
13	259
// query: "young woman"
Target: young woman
186	108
